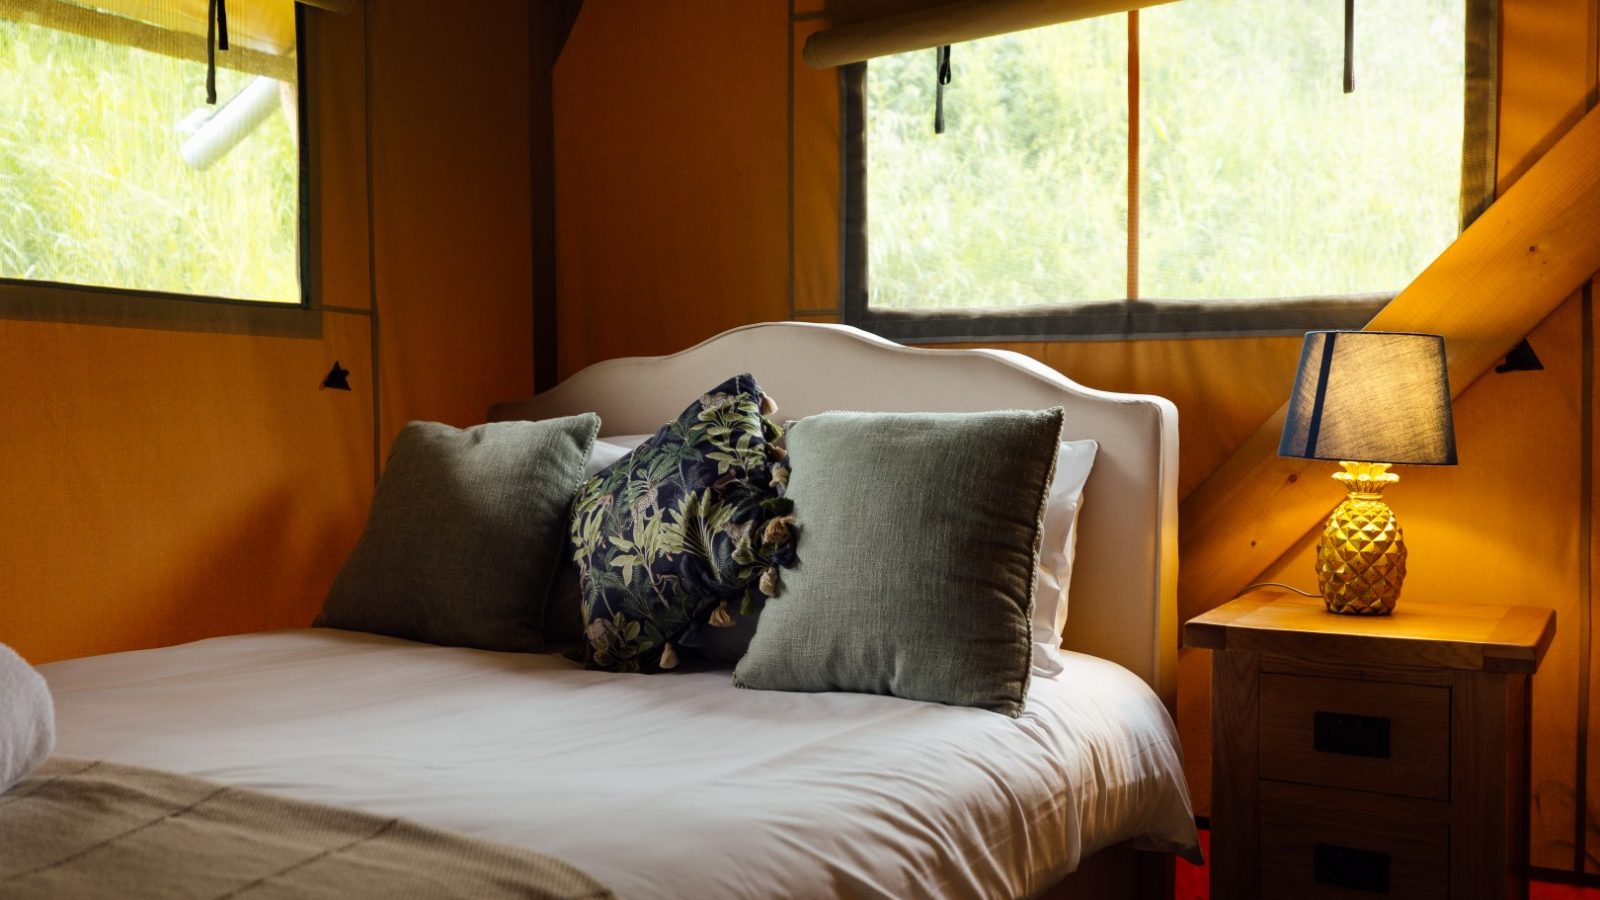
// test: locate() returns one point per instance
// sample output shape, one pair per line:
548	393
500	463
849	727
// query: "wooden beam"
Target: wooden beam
1525	255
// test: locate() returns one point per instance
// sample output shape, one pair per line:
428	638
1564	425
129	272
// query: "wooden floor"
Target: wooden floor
1191	883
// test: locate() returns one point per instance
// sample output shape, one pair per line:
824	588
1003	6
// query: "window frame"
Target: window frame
1133	318
50	301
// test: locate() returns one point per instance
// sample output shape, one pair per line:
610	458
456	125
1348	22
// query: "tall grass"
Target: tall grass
93	190
1259	177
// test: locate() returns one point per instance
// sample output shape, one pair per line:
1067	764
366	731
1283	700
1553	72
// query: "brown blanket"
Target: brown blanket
81	829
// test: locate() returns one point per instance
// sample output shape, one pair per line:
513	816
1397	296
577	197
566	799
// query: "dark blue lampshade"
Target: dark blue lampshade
1371	396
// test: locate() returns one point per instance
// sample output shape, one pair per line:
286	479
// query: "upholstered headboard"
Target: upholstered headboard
1123	602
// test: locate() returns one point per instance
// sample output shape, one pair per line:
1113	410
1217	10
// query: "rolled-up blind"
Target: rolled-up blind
863	29
258	29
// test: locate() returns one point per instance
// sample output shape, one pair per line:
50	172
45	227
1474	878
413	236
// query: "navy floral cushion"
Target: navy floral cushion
687	532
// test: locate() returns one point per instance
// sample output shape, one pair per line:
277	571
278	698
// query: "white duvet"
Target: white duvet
674	785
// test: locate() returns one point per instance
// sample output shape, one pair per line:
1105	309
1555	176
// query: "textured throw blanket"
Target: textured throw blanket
27	719
81	829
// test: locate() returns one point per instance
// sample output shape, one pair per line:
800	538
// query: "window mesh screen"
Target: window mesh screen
1262	178
114	171
1258	177
1023	200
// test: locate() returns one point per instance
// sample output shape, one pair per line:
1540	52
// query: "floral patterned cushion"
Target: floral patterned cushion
685	533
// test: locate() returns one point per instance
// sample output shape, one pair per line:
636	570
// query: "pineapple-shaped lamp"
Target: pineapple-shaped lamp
1368	399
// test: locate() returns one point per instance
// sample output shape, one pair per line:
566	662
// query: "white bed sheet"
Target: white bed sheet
659	786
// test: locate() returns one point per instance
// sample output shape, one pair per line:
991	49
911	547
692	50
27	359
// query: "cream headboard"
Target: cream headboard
1123	602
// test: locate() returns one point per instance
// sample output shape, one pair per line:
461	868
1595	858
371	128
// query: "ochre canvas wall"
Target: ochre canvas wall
157	487
671	124
452	209
160	485
1503	527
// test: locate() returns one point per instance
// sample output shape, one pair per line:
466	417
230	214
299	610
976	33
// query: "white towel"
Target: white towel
27	719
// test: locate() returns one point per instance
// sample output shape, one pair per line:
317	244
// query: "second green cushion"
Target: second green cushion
919	534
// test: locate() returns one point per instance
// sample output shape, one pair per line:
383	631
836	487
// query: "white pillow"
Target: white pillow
608	450
1059	543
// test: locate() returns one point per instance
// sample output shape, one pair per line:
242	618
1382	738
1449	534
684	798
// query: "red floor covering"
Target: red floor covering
1191	882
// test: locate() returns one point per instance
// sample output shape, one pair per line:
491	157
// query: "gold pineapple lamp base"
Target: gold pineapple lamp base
1361	556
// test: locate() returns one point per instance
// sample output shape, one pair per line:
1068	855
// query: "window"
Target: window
1234	187
115	172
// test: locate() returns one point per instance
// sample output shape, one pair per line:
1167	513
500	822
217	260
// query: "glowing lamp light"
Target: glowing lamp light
1369	400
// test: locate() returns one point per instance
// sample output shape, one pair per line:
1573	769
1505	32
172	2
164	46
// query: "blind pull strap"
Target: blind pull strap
1349	46
942	61
216	39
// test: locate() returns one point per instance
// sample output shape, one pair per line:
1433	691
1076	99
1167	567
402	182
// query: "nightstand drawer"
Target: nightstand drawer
1310	854
1362	735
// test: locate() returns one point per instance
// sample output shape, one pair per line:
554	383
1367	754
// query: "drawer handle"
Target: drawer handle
1347	867
1351	735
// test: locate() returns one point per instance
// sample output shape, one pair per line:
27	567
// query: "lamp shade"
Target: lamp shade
1371	396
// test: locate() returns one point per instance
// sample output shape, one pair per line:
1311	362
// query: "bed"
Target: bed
682	785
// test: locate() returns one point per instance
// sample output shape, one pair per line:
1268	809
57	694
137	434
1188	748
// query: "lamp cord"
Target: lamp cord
1278	584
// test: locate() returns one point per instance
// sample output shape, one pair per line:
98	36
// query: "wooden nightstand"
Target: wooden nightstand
1357	757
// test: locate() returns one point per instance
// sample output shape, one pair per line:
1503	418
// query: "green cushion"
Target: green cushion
466	530
919	535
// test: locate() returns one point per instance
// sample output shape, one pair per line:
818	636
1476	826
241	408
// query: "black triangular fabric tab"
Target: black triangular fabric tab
338	378
1521	359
